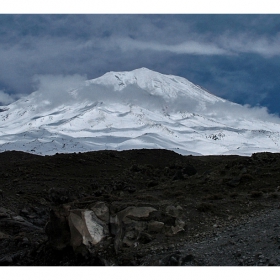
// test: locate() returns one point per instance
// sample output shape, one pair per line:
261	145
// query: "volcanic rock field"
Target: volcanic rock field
146	207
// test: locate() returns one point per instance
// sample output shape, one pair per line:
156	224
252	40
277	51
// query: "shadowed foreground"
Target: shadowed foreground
139	207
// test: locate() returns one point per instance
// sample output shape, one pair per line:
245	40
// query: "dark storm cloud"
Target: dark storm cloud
233	56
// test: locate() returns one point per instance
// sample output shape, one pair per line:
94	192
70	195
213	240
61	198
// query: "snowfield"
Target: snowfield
132	110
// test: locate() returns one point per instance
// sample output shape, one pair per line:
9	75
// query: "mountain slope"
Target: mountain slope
137	109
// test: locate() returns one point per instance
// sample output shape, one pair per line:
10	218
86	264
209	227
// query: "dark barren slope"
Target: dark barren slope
210	210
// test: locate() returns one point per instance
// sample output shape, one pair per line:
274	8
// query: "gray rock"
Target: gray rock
3	235
173	230
101	210
155	226
86	229
174	211
24	212
130	238
7	260
129	219
25	241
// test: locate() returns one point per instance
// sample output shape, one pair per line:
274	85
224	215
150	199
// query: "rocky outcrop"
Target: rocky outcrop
130	226
86	230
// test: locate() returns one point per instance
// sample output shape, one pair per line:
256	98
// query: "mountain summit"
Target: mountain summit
156	84
136	109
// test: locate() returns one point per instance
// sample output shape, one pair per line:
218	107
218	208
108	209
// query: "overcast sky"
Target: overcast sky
234	56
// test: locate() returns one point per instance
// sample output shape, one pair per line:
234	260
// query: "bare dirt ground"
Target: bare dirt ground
209	210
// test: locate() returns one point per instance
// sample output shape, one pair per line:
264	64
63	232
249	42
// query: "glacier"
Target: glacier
134	110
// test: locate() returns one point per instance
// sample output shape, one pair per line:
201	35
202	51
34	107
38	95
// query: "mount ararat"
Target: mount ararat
133	110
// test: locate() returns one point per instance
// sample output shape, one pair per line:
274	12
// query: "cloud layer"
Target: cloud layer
233	56
5	98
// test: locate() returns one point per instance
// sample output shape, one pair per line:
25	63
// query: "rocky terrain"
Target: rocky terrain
139	207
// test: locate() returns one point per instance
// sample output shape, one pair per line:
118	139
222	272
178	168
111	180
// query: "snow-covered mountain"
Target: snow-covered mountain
137	109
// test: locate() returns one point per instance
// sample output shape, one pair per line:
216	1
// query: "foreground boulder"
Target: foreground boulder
86	229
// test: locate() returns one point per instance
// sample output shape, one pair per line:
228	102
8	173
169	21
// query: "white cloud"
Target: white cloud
247	43
57	89
6	98
187	47
234	112
223	45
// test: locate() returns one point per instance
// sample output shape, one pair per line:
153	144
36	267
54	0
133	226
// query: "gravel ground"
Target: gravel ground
255	241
